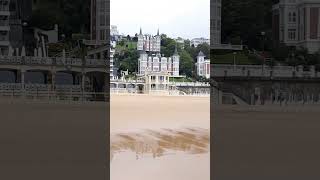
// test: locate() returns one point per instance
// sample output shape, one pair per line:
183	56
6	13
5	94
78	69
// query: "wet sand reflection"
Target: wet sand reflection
159	143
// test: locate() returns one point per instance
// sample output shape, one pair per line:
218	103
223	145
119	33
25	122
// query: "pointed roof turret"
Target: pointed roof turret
201	54
140	31
158	32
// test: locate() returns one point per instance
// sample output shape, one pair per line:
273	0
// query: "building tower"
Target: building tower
203	65
149	43
200	61
140	44
175	63
215	22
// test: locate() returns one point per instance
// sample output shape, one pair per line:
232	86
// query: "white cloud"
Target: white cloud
185	18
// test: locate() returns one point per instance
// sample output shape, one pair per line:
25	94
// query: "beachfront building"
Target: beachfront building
149	43
203	66
196	41
112	52
297	23
157	82
215	21
151	60
155	63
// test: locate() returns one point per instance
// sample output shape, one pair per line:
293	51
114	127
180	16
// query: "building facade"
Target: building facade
203	66
156	64
149	43
215	22
297	23
13	15
100	29
196	41
157	83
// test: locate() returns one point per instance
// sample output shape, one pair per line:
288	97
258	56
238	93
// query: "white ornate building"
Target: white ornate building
157	83
149	43
297	23
203	66
155	63
197	41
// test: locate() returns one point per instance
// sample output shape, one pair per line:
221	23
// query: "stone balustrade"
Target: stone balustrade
39	87
191	84
10	86
263	71
29	60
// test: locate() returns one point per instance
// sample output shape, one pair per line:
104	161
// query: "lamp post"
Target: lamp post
24	27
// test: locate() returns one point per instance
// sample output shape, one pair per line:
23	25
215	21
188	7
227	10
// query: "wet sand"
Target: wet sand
266	142
156	137
41	140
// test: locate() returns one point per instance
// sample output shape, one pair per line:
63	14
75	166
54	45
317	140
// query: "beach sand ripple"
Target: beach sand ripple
158	143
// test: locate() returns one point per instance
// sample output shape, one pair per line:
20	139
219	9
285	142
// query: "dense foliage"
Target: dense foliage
71	16
245	20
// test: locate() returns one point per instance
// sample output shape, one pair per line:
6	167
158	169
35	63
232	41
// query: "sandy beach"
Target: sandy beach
159	137
266	142
41	140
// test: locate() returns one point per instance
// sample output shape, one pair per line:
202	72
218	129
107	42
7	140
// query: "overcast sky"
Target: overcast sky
176	18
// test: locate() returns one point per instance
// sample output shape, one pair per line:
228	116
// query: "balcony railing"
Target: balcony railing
96	62
28	60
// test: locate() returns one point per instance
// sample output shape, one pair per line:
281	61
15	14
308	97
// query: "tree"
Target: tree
187	43
128	60
71	16
246	19
186	63
167	45
281	52
205	48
